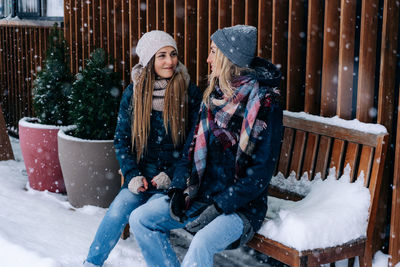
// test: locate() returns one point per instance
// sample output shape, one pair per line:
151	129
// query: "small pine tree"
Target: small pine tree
95	97
53	83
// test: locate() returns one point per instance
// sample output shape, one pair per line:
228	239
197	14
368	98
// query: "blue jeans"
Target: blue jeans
151	223
114	222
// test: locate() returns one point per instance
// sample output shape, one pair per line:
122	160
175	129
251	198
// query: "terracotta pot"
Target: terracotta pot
40	152
90	170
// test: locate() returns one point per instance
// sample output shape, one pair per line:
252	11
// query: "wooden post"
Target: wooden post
6	152
386	109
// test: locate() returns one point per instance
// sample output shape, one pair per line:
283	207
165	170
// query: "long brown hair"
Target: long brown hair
227	71
174	113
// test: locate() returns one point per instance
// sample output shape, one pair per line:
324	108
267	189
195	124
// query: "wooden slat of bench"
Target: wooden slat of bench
315	257
375	181
279	251
366	157
310	155
337	156
351	249
286	151
374	186
335	131
283	194
351	158
323	156
298	150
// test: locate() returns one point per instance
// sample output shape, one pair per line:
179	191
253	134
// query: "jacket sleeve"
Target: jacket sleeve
122	138
195	96
182	167
259	171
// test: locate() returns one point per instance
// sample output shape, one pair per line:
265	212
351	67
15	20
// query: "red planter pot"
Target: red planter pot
40	152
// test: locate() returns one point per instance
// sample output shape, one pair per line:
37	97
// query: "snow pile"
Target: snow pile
301	187
333	212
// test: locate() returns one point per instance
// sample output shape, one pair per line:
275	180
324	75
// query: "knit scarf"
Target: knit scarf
245	103
160	87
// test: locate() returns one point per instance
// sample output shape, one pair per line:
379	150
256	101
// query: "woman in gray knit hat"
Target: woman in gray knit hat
219	189
156	113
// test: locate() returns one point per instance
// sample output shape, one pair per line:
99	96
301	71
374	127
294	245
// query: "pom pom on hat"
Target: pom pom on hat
150	43
237	43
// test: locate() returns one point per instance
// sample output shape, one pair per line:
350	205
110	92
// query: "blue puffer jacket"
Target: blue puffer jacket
161	154
248	195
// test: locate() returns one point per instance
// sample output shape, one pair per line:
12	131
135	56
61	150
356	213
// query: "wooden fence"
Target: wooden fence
22	51
337	57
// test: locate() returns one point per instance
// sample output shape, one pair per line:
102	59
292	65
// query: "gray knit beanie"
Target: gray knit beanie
238	43
150	43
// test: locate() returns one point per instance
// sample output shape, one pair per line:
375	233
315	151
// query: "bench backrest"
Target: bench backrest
312	146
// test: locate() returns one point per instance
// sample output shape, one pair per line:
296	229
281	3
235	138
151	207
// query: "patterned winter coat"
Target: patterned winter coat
246	195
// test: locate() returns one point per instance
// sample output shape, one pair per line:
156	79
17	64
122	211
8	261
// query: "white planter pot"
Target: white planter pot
90	170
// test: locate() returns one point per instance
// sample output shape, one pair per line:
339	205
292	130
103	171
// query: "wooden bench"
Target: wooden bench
312	146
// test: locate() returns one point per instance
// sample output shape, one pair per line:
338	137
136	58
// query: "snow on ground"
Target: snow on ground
41	229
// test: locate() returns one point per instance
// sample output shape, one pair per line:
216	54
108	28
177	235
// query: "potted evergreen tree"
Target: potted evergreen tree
86	153
38	136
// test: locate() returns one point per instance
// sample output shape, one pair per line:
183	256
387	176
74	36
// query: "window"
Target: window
33	9
28	8
5	8
53	8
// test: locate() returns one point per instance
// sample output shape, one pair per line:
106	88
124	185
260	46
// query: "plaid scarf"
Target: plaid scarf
245	103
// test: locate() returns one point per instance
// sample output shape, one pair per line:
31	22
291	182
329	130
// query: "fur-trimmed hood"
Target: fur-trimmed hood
265	72
138	68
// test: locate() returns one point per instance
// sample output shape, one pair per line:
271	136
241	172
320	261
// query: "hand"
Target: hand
177	206
208	214
138	184
161	181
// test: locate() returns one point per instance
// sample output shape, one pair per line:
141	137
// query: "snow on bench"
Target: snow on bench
332	204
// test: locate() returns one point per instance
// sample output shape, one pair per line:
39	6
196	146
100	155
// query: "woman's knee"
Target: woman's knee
200	241
123	204
219	234
150	213
135	217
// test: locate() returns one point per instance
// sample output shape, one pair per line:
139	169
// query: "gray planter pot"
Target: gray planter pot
90	170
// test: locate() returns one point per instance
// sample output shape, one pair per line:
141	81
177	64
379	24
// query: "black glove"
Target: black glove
177	205
208	214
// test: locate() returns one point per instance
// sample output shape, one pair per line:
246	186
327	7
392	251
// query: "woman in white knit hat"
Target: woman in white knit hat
156	112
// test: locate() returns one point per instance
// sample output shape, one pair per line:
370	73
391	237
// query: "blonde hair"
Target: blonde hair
227	71
174	113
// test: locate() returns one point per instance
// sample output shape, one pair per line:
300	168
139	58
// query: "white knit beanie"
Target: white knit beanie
150	43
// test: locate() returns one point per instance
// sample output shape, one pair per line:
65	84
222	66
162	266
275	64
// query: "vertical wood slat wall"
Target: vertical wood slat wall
336	57
22	51
329	52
